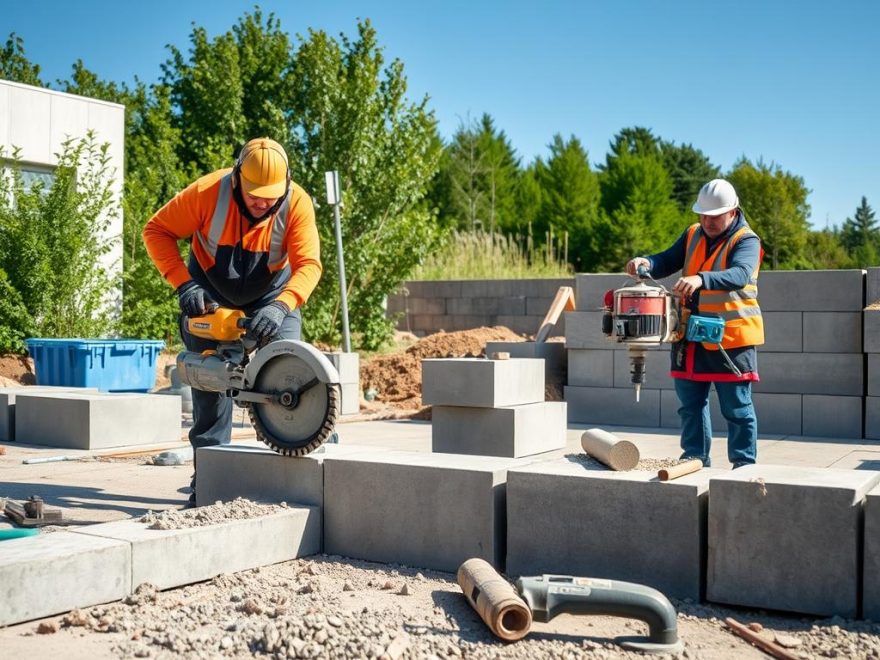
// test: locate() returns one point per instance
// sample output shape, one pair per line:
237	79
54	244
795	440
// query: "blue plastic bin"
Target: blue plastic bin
110	365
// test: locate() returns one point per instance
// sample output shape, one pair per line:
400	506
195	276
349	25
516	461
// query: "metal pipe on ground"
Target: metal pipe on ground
610	450
494	599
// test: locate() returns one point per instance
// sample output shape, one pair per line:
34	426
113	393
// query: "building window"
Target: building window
31	174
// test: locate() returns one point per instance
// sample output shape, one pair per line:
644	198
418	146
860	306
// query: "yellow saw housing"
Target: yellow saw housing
220	325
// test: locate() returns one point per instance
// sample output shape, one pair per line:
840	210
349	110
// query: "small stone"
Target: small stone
226	643
47	627
305	589
404	590
75	617
250	606
321	636
754	626
347	586
388	585
787	641
334	621
312	570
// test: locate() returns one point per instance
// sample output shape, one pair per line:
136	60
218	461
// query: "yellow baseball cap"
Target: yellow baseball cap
263	168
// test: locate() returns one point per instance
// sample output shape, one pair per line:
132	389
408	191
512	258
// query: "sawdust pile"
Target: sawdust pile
203	516
397	377
16	370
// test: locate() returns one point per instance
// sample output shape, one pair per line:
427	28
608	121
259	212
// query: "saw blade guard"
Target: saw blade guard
305	391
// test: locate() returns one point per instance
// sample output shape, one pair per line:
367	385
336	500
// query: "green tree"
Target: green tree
475	186
350	114
54	244
639	215
860	236
775	203
569	201
824	251
688	168
15	66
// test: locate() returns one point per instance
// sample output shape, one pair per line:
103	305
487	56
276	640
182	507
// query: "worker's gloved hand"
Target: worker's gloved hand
632	266
266	323
194	300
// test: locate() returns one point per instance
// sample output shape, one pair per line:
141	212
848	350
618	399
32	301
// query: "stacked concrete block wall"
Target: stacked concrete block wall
811	365
491	407
788	538
426	307
348	366
871	341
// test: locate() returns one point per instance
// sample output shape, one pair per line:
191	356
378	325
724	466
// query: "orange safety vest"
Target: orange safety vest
743	323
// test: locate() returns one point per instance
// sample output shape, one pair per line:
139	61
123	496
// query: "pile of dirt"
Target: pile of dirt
238	509
397	378
16	370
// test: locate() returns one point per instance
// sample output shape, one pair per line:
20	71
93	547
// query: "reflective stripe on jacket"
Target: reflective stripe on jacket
744	325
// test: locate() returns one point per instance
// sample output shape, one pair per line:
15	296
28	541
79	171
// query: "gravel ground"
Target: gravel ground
331	607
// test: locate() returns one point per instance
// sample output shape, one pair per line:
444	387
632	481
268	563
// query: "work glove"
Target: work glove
266	323
194	300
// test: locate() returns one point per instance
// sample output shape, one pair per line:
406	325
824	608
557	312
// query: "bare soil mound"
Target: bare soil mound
397	378
18	368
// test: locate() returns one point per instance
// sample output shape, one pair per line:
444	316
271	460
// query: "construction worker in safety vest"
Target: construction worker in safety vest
254	247
719	258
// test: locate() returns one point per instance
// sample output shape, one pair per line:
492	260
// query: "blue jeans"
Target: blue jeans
735	398
212	411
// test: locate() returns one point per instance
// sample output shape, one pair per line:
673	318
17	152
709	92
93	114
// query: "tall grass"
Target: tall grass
478	255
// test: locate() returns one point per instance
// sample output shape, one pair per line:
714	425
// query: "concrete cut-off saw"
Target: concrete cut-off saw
646	314
289	388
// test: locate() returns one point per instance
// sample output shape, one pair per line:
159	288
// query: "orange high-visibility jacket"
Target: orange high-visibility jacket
240	261
743	323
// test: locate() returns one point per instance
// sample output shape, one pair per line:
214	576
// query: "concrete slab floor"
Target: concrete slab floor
91	490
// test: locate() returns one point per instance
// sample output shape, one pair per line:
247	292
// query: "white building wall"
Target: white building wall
37	121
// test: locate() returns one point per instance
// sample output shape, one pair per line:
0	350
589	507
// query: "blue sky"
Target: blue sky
795	83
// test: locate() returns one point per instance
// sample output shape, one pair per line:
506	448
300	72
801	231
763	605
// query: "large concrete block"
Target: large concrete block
590	368
872	417
873	375
482	383
783	332
614	406
174	557
832	332
811	290
832	416
347	364
563	518
260	474
487	288
811	373
542	287
583	329
350	403
872	286
552	352
433	288
871	330
787	538
7	404
778	414
511	432
95	421
871	568
414	508
53	573
657	365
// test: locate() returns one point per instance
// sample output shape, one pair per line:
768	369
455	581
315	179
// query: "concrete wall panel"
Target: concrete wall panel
618	407
629	526
832	416
812	290
832	332
591	368
761	517
811	373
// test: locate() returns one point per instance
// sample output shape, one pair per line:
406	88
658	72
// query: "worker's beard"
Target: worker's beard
245	211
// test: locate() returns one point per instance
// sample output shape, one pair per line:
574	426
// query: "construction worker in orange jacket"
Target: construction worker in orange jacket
254	247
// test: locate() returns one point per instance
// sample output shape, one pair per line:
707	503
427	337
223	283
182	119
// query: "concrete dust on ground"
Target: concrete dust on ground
203	516
332	607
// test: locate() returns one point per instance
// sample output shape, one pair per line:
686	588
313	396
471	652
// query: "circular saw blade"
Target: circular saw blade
299	429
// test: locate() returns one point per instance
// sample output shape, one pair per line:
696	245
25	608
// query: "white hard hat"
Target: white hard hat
715	198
